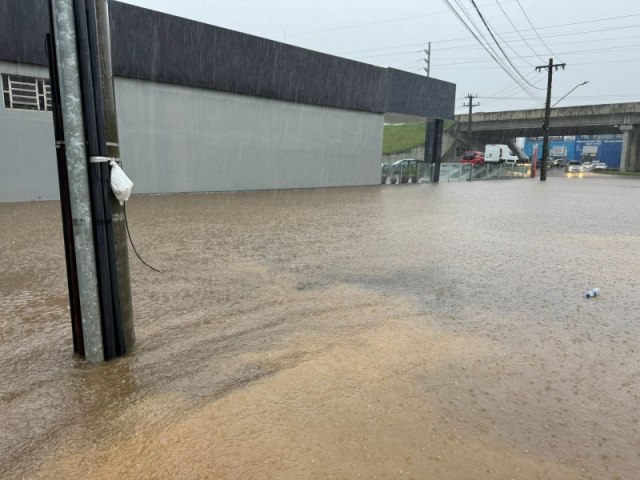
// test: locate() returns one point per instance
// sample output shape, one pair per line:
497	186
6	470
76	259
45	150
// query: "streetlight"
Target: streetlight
567	94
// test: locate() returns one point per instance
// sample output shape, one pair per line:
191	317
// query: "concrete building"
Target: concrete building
203	108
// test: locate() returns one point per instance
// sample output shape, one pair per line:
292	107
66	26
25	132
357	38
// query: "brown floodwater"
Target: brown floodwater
419	331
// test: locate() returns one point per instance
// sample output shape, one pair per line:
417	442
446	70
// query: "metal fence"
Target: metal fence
454	172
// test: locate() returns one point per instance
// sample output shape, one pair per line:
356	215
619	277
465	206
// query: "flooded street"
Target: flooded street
418	331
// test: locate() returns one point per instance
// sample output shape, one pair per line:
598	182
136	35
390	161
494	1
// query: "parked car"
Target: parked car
473	157
600	166
559	162
573	167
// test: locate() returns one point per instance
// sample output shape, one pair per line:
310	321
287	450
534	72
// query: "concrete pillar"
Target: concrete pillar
433	146
630	157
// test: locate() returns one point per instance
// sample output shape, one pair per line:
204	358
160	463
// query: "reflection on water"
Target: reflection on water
423	331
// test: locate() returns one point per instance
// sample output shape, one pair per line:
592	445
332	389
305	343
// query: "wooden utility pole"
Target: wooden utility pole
469	124
547	113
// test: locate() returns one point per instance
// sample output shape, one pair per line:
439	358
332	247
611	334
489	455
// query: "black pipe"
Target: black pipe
94	44
65	200
96	181
113	150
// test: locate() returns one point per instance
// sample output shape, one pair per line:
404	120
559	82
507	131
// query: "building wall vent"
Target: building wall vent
26	93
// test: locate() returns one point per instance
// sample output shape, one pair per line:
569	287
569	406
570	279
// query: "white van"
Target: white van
497	153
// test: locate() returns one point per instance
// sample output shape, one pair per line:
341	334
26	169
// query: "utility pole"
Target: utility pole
470	105
87	117
547	112
427	60
72	116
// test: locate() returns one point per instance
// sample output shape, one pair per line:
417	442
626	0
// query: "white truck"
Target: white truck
497	153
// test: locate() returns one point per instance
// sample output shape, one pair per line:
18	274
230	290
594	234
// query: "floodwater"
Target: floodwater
418	331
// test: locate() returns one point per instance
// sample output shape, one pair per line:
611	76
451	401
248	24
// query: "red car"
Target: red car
473	157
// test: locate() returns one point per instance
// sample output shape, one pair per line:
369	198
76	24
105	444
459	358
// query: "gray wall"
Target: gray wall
27	148
178	139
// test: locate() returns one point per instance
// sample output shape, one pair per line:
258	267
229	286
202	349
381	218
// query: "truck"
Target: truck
499	153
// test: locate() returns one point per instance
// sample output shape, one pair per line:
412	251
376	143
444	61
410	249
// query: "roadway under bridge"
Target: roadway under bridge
504	127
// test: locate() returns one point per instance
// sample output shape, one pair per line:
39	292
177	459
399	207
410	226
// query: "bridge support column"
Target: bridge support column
433	146
630	158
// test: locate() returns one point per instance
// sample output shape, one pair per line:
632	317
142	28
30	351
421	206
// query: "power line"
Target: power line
501	49
509	88
572	52
457	39
507	44
534	28
380	22
518	31
470	46
506	70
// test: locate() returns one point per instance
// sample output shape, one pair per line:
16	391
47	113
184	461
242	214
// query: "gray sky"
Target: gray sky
583	34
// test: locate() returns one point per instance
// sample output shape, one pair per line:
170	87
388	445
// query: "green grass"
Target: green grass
398	138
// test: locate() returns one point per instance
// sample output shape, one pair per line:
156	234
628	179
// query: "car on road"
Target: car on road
600	166
558	162
587	166
473	157
499	153
573	167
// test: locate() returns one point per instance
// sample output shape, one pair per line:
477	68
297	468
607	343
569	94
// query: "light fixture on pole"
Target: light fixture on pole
567	94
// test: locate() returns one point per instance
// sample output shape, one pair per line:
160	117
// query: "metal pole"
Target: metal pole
65	201
73	123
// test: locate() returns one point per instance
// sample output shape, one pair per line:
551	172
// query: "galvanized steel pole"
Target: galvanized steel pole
72	117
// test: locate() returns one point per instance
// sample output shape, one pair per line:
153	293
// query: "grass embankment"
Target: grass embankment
401	137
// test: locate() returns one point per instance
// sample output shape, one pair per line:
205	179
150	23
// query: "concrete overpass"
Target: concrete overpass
502	127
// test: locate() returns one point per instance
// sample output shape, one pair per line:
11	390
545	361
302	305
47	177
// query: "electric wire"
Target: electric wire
598	40
380	22
476	46
534	28
562	34
506	70
518	31
508	90
126	222
633	47
486	24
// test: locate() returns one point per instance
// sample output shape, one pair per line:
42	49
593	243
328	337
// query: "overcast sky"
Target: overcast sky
598	40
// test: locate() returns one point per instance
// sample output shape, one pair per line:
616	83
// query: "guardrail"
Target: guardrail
455	172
